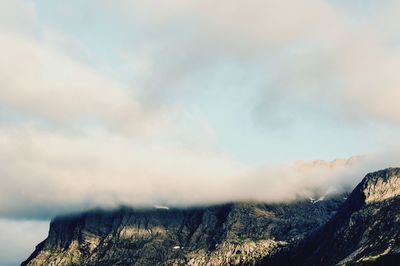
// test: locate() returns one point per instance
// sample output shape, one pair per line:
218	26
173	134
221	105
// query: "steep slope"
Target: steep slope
365	231
230	234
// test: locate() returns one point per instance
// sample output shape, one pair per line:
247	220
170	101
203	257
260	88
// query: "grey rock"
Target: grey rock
229	234
362	228
365	230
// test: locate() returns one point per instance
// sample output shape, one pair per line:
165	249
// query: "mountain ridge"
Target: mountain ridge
361	228
364	231
234	233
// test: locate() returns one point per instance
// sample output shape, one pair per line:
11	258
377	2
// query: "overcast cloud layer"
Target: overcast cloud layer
75	136
191	102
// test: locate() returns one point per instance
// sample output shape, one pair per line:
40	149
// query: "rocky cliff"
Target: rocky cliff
365	231
229	234
361	229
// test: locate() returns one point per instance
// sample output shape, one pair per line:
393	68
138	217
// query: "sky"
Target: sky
182	102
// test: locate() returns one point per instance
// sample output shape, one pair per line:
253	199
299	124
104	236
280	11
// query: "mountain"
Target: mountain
228	234
362	228
365	230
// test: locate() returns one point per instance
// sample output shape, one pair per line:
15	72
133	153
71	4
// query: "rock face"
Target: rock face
230	234
365	231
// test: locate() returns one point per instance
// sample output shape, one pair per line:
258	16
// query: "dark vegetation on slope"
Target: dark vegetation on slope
365	230
362	230
235	233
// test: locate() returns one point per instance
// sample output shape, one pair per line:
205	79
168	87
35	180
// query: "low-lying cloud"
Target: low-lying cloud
45	173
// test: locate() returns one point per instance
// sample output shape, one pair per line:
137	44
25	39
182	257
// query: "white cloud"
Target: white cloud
59	171
72	138
46	173
317	53
40	81
60	163
18	16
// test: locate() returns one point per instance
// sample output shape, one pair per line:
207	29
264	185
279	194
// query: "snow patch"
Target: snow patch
161	207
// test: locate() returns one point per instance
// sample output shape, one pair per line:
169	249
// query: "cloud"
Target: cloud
44	174
38	81
73	136
85	139
57	171
174	42
18	16
316	56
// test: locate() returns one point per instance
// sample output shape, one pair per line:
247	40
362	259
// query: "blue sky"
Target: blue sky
189	102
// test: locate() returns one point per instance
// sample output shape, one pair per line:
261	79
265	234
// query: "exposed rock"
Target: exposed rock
230	234
365	231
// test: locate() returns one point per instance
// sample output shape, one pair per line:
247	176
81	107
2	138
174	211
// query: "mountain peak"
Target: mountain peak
381	185
364	231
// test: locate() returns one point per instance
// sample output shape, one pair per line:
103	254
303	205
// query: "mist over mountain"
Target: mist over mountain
211	119
360	228
364	231
64	187
233	233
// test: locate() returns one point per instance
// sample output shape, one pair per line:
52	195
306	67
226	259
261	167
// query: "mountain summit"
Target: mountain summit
365	230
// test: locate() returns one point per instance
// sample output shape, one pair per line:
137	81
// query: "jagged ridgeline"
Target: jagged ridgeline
365	231
362	229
